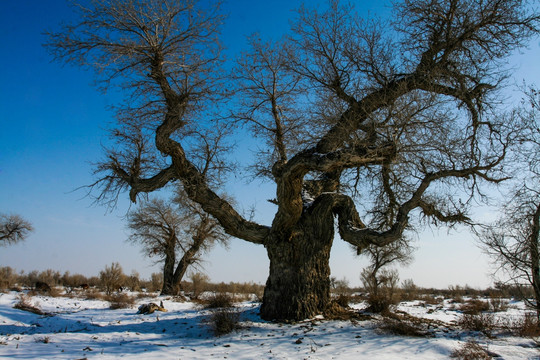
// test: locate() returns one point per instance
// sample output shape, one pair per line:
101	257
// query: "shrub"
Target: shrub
474	307
224	321
154	284
199	282
43	339
133	281
382	289
120	301
498	304
94	294
401	327
409	290
71	282
219	300
526	326
111	278
24	304
470	350
431	300
343	300
8	278
478	322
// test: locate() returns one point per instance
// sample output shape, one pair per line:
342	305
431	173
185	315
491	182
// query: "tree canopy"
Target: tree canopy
13	229
391	115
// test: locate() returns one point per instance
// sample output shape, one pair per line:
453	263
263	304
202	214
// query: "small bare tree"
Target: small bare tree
169	229
13	229
513	240
378	279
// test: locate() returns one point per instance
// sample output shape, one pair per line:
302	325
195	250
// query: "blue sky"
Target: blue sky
53	124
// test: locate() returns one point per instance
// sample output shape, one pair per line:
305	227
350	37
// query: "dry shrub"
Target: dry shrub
224	321
8	278
498	304
526	326
484	323
218	300
431	299
401	327
120	301
471	350
199	283
382	288
409	290
474	307
43	339
25	305
343	300
94	294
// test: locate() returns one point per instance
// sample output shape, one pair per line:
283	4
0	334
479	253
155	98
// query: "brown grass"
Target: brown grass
470	350
219	300
24	304
474	307
120	301
401	327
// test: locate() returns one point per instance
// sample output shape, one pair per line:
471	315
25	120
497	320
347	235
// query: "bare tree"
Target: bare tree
398	114
168	230
378	278
13	229
513	240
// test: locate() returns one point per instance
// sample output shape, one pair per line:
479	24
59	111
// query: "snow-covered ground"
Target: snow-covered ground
88	329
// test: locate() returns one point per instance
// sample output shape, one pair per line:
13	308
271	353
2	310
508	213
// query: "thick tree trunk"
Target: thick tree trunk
298	286
168	272
172	278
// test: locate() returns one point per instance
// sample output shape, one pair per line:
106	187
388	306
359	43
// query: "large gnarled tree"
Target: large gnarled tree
389	116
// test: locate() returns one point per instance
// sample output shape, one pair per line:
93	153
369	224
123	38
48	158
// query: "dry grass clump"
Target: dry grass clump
219	300
429	299
24	304
43	339
120	301
94	294
471	350
402	328
474	307
404	324
224	321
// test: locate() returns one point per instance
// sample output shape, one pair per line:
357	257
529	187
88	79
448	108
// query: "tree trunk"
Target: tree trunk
168	272
535	258
172	278
298	286
188	259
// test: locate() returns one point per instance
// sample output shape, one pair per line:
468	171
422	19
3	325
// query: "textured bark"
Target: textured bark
172	277
298	286
168	270
535	258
